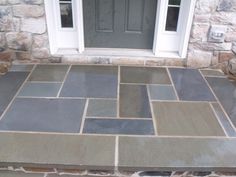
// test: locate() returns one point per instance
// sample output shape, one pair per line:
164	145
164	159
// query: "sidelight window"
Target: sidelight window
66	13
172	15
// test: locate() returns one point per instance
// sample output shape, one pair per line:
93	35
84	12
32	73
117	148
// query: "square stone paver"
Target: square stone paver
134	102
102	108
58	150
119	126
9	85
212	73
49	73
190	85
144	75
91	82
21	68
40	89
162	92
44	115
176	154
186	119
226	93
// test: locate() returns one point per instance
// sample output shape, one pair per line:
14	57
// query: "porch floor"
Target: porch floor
124	117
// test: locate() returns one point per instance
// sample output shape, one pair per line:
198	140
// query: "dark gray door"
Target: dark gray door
119	23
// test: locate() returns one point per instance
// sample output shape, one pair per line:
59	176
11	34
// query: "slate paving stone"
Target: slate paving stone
190	85
212	73
9	85
226	93
40	89
134	102
224	120
44	115
102	108
18	174
21	68
49	73
186	154
91	82
186	119
58	150
144	75
162	92
116	126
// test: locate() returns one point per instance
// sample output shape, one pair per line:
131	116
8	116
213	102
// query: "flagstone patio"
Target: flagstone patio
123	117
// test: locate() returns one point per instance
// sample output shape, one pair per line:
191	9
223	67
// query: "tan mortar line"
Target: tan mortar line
154	121
83	117
116	163
172	83
219	102
18	91
119	118
218	119
63	82
118	95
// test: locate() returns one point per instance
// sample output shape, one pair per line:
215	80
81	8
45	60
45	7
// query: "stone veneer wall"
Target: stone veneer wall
23	35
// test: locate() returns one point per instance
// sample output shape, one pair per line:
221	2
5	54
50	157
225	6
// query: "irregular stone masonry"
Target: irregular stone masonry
24	36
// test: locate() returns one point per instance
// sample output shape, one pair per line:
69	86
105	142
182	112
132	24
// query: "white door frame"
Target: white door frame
180	38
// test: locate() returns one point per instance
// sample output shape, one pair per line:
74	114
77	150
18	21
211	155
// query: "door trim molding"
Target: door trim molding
183	33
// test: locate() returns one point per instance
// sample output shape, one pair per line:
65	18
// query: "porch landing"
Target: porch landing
117	118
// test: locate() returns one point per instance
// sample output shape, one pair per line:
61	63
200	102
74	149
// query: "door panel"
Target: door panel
119	23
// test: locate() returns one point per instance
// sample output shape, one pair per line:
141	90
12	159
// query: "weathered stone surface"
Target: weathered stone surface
203	6
28	11
174	62
19	41
14	1
33	25
2	42
215	58
23	56
41	53
209	46
234	47
198	59
33	1
202	18
226	56
3	68
40	41
230	36
223	18
217	33
226	5
155	62
200	31
6	22
6	56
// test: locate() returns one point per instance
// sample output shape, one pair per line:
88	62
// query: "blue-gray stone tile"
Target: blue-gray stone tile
91	82
49	73
212	73
9	85
190	85
225	91
144	75
134	101
40	89
21	68
162	92
102	108
44	115
176	154
118	126
230	130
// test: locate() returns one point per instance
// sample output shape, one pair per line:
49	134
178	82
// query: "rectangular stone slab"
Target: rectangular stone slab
19	174
134	102
190	85
225	92
9	85
181	154
59	151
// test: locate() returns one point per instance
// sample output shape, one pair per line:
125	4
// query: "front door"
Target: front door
119	23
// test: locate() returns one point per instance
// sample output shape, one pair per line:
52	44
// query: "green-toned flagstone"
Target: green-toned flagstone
162	92
176	154
134	102
40	89
144	75
186	119
102	108
58	150
211	72
53	73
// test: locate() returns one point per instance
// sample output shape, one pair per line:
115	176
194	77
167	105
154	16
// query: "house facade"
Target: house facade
194	33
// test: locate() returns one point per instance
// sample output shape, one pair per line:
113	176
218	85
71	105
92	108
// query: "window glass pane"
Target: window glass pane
172	18
66	15
174	2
